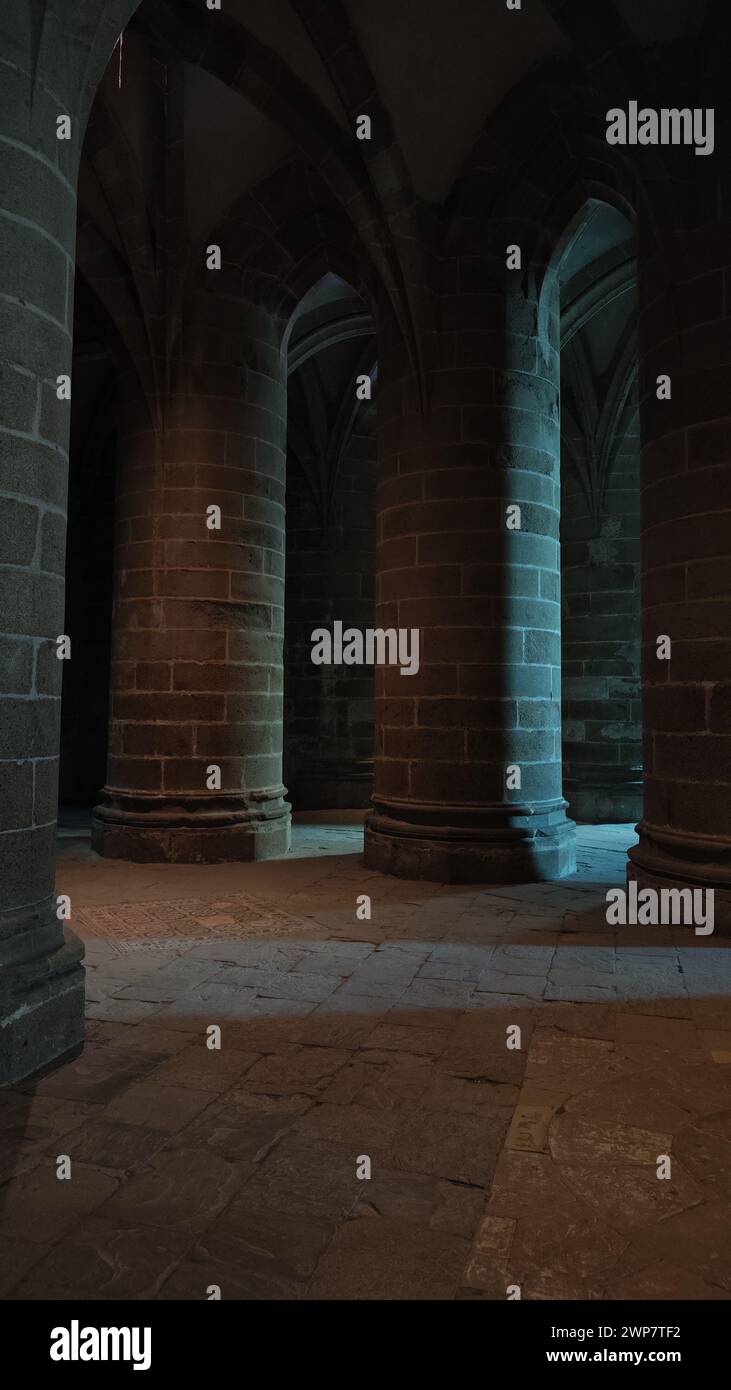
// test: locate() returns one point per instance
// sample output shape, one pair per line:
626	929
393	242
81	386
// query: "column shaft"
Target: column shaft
41	977
685	333
468	751
198	613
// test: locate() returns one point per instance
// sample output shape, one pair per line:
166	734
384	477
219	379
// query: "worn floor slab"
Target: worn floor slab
587	1155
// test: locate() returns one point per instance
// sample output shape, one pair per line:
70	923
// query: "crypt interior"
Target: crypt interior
363	320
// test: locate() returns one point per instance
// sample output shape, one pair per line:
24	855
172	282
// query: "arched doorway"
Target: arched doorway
600	520
330	529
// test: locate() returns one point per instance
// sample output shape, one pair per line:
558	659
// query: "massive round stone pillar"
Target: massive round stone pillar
468	750
685	335
195	755
48	72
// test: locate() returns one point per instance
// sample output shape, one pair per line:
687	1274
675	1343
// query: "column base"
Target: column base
451	844
188	831
604	803
666	859
41	1004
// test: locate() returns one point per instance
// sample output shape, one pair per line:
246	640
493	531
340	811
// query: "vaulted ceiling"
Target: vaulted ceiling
198	109
434	71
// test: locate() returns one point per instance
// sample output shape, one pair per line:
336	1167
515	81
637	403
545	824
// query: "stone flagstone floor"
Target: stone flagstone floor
491	1167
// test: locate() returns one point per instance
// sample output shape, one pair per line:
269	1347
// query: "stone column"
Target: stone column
198	613
685	333
486	700
41	978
